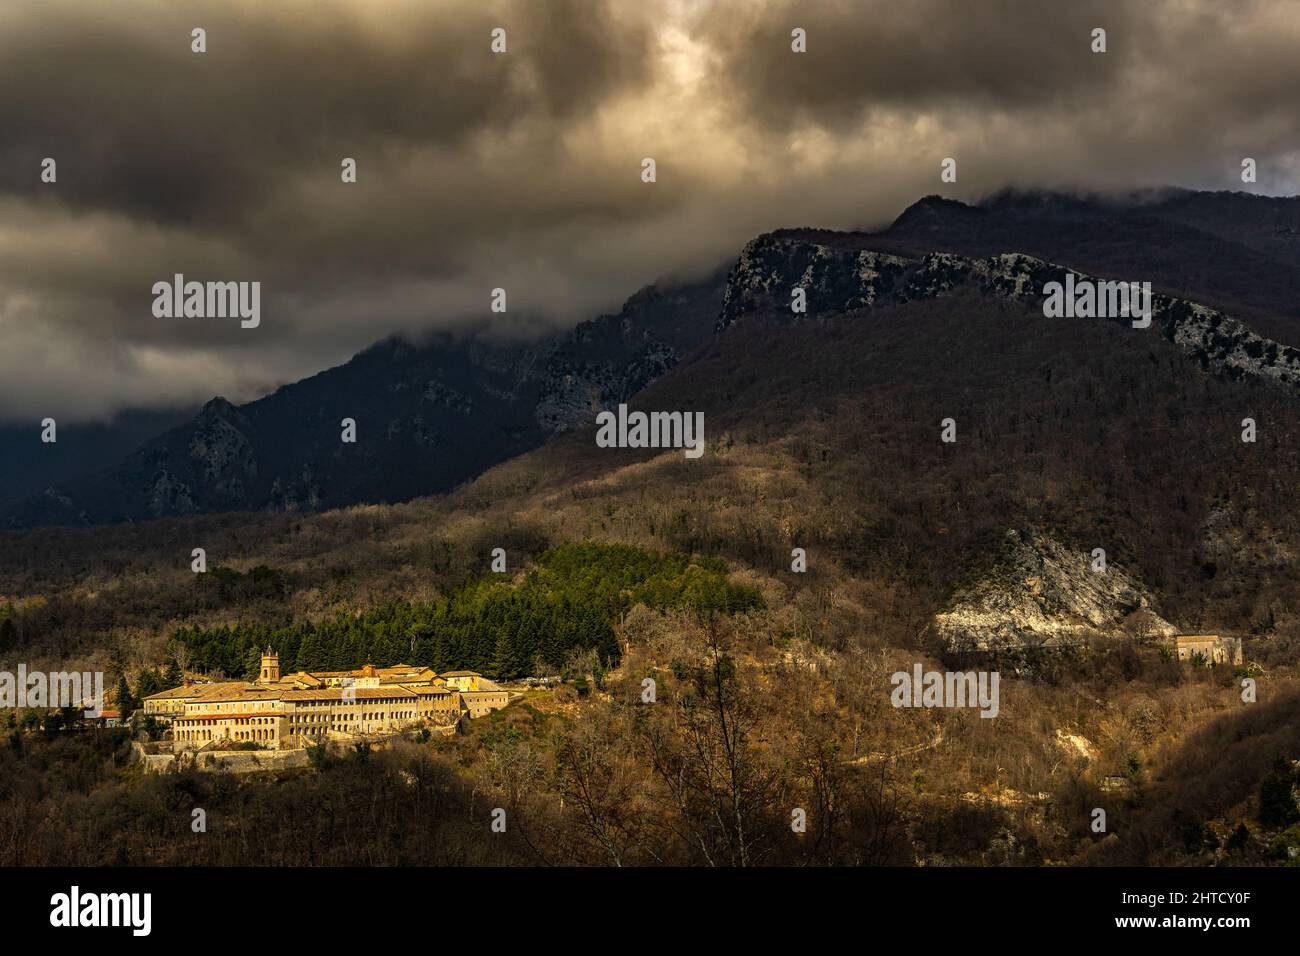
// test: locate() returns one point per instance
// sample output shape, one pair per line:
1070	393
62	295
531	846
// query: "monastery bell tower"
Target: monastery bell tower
270	667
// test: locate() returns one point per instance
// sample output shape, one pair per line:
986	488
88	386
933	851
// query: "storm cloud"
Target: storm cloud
522	170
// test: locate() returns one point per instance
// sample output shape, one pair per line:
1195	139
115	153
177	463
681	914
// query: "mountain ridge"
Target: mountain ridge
482	401
449	408
842	280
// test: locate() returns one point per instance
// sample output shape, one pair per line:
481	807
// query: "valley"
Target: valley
772	679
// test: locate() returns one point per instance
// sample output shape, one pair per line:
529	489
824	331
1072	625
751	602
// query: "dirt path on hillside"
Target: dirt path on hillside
905	752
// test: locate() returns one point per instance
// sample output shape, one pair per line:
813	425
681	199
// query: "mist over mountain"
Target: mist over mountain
430	416
1233	251
31	466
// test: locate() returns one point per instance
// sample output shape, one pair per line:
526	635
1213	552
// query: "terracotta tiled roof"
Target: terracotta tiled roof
183	692
336	693
235	715
197	690
301	677
234	692
400	681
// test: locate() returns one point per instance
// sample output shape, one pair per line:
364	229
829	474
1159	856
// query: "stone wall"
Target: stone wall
233	761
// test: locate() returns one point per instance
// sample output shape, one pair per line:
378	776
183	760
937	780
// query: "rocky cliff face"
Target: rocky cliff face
572	392
1042	594
837	279
222	452
610	359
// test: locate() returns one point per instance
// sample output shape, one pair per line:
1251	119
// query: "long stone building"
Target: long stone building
291	711
1210	648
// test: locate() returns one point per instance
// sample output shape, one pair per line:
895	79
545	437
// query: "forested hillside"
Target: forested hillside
822	433
569	602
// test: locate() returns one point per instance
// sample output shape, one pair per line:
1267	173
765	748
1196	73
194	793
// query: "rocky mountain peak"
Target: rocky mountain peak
843	277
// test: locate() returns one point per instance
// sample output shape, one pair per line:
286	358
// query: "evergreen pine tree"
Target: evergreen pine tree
148	683
122	696
503	666
252	664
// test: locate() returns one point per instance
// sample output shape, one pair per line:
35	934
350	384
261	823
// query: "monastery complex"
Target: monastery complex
290	712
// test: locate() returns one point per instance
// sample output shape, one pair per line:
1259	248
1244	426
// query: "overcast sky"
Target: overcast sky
523	170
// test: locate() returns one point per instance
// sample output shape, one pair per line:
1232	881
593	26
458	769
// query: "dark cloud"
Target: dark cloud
522	170
880	55
148	128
